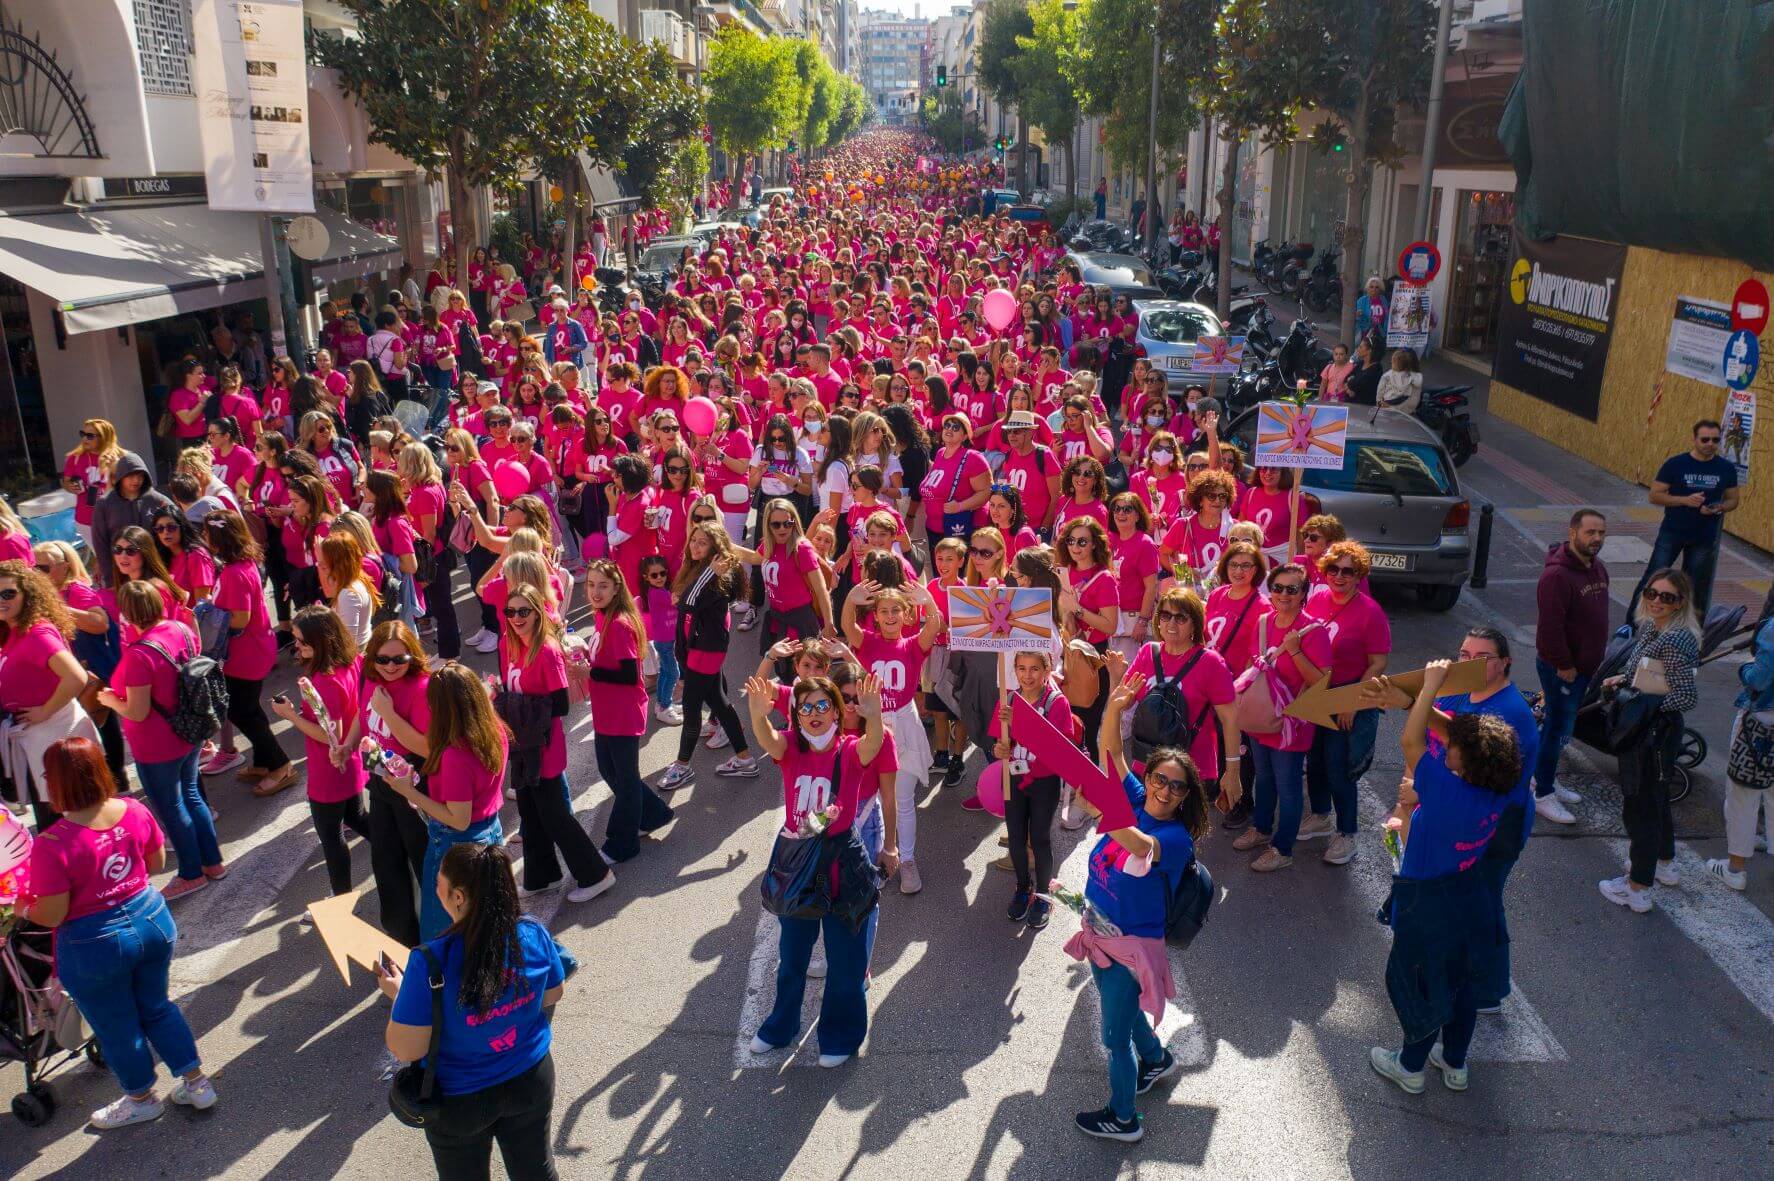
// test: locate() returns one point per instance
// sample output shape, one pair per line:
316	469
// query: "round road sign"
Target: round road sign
1419	263
1749	307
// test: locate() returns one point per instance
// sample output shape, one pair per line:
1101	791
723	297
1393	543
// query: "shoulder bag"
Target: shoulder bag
413	1097
796	884
1751	761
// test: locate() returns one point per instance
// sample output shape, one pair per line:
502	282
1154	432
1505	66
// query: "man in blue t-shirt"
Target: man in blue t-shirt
1696	489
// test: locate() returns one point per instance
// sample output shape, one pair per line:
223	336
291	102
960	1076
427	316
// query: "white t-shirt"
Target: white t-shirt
837	483
773	484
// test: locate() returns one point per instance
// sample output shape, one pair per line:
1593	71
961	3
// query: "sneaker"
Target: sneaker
760	1046
952	777
479	635
831	1061
1149	1075
1454	1078
1552	810
1040	910
1667	874
1105	1126
1019	906
200	1094
1251	838
708	728
972	804
816	966
1072	821
216	872
1238	817
1341	850
1721	869
910	882
745	623
1489	1011
1271	860
124	1111
1315	826
741	766
1617	891
524	891
183	886
1566	795
668	715
1385	1063
486	645
224	761
939	764
719	740
676	776
586	893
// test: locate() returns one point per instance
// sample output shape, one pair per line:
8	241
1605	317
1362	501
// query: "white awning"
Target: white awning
111	266
611	192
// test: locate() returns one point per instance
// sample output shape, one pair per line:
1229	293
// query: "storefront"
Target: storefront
1484	220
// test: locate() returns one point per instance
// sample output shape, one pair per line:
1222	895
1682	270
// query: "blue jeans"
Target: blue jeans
1336	763
1127	1033
173	790
843	1005
1698	559
115	965
1280	783
440	839
667	652
636	808
1560	715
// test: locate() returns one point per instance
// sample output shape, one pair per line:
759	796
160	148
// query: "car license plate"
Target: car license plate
1383	561
1177	362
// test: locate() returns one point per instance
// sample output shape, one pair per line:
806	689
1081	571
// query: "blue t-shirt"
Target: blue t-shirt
1452	824
1137	905
1685	476
1513	708
480	1050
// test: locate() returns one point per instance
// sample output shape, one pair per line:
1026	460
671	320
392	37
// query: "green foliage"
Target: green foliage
756	98
852	109
942	117
1112	72
662	130
999	57
505	236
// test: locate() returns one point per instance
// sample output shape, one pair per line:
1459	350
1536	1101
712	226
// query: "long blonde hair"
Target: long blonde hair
462	714
61	553
10	522
529	568
109	452
548	630
768	546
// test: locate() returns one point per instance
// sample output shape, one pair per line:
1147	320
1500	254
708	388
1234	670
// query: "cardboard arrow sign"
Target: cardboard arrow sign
350	939
1041	738
1320	704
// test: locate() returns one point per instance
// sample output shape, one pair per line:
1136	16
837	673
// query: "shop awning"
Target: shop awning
111	266
611	192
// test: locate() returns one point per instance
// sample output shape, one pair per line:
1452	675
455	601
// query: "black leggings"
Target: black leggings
707	689
304	587
111	735
397	859
248	716
546	814
1029	814
515	1113
1091	716
479	562
329	822
442	608
277	567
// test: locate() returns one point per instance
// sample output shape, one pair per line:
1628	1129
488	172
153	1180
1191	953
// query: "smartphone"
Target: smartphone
281	698
385	964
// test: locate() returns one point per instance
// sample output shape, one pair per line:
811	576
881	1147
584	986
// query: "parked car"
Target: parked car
1398	494
1167	334
992	200
662	256
1032	218
1122	274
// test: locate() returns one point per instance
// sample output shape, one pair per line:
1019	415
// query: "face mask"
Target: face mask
821	741
1154	420
1163	457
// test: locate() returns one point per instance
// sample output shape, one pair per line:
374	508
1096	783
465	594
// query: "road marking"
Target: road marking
760	996
1733	932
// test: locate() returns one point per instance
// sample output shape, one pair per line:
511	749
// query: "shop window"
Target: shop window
1483	234
163	42
24	424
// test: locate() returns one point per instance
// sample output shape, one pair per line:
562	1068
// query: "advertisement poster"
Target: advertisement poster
1740	430
252	102
1556	320
1697	339
1408	319
1313	435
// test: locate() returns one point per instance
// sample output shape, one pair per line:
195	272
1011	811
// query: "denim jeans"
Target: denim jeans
1336	763
1559	711
636	808
1699	560
668	672
172	789
1127	1034
1280	785
843	1003
433	918
115	965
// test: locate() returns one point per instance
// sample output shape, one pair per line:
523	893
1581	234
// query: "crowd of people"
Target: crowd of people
816	435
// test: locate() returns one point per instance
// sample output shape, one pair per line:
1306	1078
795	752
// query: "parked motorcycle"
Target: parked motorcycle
1322	290
1446	410
1282	275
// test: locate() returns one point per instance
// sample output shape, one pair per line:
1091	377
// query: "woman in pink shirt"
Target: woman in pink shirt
619	703
40	677
1134	556
114	934
143	692
252	651
185	402
233	400
706	587
328	658
1004	512
86	472
1089	603
1361	644
1083	487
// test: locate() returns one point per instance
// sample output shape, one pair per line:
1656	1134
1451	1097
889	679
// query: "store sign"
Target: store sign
1557	320
134	187
1469	134
1697	338
252	103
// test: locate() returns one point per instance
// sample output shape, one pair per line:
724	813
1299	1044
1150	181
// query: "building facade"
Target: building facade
892	62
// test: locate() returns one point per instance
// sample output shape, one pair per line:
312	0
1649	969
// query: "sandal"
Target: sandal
251	774
276	782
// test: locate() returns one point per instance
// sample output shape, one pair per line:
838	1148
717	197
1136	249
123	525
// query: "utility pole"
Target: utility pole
1152	148
1432	120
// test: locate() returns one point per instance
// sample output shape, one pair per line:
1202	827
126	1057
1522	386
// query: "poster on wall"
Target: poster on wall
252	91
1556	320
1740	430
1697	339
1408	319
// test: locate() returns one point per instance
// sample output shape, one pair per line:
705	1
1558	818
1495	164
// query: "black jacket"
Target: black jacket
702	614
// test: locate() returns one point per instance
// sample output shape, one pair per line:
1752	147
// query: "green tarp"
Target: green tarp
1648	122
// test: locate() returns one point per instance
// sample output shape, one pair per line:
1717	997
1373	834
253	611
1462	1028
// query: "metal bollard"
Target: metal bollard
1481	561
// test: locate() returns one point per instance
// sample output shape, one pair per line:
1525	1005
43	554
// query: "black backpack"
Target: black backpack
1162	716
201	701
1186	906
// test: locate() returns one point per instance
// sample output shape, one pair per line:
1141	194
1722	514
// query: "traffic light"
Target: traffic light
942	75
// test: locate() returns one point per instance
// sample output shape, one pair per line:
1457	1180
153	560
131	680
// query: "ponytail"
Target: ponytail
492	949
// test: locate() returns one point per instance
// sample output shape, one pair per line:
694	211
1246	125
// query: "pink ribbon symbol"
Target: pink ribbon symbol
1000	621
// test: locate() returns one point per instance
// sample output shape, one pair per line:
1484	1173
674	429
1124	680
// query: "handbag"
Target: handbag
462	533
569	500
413	1097
1751	761
796	883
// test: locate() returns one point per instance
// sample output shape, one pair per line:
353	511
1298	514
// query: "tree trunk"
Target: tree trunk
570	215
1353	221
1228	193
461	224
1022	156
1072	165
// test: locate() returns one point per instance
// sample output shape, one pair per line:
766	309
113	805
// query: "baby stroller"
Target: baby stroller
39	1025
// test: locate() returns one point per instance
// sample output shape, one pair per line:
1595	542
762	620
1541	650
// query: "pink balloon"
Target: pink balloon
700	415
511	479
999	307
991	788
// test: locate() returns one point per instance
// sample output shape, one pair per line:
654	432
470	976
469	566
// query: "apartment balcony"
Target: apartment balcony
672	31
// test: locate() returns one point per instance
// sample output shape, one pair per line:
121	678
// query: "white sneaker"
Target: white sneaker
1552	810
586	893
1617	891
676	776
487	644
200	1094
1315	826
830	1061
1721	869
760	1046
479	635
1667	874
1452	1077
1385	1063
1566	795
708	728
524	891
668	715
718	740
742	766
124	1111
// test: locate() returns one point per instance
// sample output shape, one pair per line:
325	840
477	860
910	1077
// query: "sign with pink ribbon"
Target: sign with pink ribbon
1001	619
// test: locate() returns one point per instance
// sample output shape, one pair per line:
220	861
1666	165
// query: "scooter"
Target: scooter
1446	411
1323	288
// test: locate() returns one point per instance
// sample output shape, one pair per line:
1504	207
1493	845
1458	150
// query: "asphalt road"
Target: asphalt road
1636	1046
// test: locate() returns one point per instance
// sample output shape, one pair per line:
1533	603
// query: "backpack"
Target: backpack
201	700
1186	906
1162	716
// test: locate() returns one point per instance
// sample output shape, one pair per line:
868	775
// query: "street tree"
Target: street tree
1049	61
755	99
1112	76
1004	67
852	110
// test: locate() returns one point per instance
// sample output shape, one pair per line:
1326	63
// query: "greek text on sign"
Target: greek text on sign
1000	619
1310	436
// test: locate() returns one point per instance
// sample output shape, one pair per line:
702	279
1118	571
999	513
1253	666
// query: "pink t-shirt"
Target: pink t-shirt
1096	589
1315	646
253	653
461	777
1134	559
1270	512
194	572
26	680
941	483
1232	626
408	694
151	740
1199	545
83	468
236	467
1208	683
620	710
427	500
16	547
727	486
328	784
544	673
899	663
1358	629
182	401
1056	709
1072	510
807	780
96	868
785	577
1029	474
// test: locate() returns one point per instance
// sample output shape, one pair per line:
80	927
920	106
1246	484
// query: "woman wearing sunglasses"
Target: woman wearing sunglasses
40	677
705	588
1134	556
95	642
679	486
86	471
796	602
1198	537
136	558
329	658
1361	642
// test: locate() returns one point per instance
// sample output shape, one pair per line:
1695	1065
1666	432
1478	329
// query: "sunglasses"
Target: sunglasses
851	700
42	569
677	469
1287	588
808	709
124	549
1079	541
782	525
983	554
705	520
9	594
394	661
652	574
1216	497
1177	787
89	434
167	527
1311	537
1669	597
1172	616
1196	467
1340	572
1126	510
666	430
519	612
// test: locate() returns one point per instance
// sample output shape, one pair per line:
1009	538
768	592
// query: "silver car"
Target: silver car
1167	334
1398	494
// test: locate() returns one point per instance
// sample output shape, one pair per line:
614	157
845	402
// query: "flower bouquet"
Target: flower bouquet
317	707
813	823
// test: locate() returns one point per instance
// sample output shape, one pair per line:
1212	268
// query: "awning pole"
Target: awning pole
273	285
